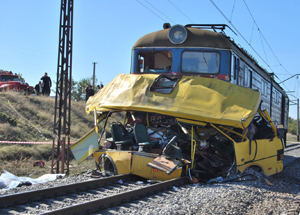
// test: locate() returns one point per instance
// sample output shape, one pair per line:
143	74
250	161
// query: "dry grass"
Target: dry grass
291	137
35	117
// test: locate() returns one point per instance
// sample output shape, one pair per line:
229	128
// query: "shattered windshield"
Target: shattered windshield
200	62
155	61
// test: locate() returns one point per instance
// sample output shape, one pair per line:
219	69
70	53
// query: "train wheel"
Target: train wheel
106	165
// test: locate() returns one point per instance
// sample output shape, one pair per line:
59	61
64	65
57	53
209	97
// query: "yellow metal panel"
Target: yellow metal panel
193	98
86	146
122	159
136	163
264	154
140	168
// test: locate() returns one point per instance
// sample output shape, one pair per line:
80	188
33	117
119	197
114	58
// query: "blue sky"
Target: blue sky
105	31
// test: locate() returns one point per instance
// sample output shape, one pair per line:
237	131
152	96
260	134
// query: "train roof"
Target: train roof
196	37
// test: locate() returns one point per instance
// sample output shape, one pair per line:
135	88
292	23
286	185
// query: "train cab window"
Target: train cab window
200	62
156	61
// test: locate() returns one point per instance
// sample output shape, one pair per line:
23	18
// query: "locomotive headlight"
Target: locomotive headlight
177	34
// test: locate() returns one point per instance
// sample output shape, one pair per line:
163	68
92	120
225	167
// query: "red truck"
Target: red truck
10	81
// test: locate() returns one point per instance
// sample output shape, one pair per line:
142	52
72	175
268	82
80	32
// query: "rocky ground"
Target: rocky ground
277	194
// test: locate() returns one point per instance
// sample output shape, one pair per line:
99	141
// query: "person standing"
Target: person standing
87	93
47	84
92	92
38	88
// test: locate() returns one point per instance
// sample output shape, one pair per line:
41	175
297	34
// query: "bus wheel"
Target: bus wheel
106	165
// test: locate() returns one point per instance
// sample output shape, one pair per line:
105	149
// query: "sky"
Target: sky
105	31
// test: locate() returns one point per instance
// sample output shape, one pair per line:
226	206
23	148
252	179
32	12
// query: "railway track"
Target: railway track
83	198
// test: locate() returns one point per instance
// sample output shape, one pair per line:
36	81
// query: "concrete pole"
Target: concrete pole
94	74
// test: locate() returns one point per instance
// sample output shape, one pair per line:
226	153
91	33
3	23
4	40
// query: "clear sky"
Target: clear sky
105	31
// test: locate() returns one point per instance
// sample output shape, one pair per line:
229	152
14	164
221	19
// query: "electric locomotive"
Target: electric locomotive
204	50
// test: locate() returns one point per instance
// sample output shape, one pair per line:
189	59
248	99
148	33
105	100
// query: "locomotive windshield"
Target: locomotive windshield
200	62
155	61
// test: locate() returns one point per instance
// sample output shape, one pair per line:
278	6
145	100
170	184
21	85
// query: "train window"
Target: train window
241	76
200	62
155	61
247	78
264	88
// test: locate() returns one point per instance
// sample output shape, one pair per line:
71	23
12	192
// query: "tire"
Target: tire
106	165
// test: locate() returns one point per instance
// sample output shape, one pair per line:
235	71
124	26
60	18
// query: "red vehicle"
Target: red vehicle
10	81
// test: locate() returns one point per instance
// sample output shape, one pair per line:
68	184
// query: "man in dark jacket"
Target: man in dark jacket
89	92
47	84
38	88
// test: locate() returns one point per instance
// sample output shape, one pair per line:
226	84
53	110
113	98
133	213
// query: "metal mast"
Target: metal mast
62	115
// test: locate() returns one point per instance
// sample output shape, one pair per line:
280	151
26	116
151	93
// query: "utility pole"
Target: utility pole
94	74
297	120
293	101
62	112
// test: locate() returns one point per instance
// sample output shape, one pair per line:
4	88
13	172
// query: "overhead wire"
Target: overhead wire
264	38
248	42
252	32
260	34
240	34
160	12
151	11
181	11
232	11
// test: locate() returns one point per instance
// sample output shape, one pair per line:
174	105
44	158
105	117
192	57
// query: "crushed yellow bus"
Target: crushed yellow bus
175	126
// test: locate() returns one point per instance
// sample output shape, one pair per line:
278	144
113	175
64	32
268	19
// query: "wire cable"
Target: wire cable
181	11
232	11
247	41
160	11
151	11
264	37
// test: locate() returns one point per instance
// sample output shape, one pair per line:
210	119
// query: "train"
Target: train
193	105
204	50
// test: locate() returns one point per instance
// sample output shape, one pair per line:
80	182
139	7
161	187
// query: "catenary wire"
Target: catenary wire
244	38
265	38
181	11
151	11
232	11
160	12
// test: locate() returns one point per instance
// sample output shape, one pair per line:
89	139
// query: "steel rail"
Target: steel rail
104	203
21	198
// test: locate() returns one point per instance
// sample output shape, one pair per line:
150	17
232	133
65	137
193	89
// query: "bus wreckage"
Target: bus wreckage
176	126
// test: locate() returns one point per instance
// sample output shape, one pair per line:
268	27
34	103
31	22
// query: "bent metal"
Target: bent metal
163	127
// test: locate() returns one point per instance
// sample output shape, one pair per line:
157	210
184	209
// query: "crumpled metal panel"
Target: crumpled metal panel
194	98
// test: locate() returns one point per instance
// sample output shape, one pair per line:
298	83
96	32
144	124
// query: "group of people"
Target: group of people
44	86
89	91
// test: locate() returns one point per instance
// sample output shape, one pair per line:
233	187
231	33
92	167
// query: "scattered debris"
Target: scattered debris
39	164
9	181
